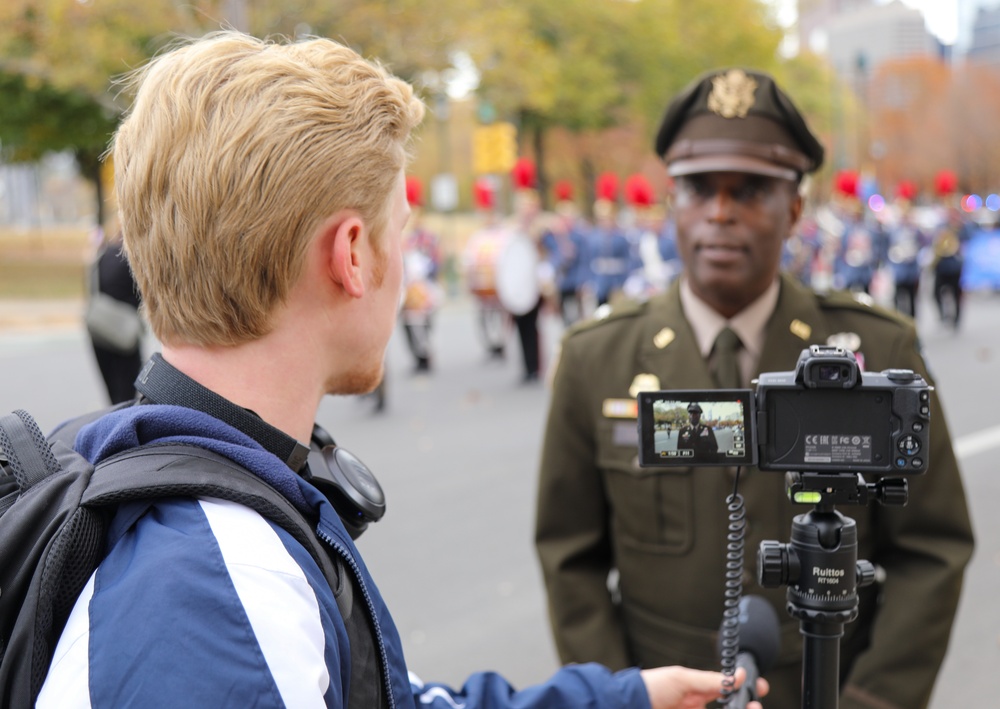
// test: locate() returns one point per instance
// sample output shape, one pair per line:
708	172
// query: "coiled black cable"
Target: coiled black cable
729	635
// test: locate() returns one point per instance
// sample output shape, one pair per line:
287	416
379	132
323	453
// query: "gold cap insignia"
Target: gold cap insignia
732	94
643	382
800	329
846	340
663	338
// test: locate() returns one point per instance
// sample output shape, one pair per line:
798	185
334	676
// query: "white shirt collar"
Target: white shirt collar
750	323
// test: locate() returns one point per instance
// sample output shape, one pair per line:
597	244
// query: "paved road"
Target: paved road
456	452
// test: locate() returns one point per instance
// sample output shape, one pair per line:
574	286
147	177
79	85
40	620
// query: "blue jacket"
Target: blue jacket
204	603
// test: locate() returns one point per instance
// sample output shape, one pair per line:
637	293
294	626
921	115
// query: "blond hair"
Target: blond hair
233	153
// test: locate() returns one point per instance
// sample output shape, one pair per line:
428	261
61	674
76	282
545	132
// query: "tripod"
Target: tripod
820	567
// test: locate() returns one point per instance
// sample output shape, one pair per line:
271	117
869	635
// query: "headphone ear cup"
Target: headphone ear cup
349	485
321	438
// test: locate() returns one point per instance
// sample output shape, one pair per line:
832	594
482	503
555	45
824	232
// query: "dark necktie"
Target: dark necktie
725	355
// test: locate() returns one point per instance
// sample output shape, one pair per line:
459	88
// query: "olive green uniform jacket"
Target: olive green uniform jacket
664	529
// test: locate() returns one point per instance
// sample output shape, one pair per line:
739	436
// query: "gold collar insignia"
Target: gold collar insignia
663	338
800	329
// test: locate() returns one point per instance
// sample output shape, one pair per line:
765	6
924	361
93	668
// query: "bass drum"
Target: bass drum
517	275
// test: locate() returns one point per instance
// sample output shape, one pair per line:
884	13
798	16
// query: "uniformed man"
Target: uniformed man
737	149
696	436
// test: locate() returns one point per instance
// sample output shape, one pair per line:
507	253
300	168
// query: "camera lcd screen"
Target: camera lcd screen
696	428
807	430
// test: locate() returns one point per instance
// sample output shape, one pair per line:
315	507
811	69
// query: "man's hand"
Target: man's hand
683	688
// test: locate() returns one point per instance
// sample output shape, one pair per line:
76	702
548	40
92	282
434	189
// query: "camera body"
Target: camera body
825	416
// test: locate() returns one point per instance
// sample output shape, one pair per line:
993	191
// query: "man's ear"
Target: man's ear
344	257
796	207
670	195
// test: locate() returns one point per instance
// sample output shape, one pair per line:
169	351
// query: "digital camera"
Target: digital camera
825	416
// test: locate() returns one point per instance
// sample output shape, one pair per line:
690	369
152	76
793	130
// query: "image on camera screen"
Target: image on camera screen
696	428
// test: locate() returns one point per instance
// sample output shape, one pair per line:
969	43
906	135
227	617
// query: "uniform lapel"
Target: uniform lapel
797	322
669	349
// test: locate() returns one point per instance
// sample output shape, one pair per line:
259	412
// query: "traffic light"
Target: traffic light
494	148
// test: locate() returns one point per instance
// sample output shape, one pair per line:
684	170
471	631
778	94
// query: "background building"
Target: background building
984	45
814	16
967	12
858	36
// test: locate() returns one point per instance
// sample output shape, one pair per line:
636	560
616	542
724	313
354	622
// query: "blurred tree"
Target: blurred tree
548	63
901	104
411	37
829	107
927	117
968	110
60	58
37	118
597	72
591	67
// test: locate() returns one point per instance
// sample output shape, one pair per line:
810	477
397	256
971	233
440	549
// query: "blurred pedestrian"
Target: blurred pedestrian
857	255
521	259
565	249
479	260
421	266
947	264
906	240
115	333
608	247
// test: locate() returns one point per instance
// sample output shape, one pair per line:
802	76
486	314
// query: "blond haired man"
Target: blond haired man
263	199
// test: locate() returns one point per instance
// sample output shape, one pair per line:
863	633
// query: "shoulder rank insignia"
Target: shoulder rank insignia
864	298
732	94
602	311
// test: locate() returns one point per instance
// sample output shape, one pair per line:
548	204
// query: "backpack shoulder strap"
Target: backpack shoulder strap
179	470
172	470
28	454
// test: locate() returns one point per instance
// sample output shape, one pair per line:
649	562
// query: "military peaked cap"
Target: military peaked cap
736	120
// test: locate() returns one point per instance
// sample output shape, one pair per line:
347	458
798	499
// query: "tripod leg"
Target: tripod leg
821	664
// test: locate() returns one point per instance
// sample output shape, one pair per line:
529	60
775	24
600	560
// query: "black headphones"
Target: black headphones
344	480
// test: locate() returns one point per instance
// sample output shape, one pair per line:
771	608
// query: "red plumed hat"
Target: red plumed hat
414	192
523	174
945	183
906	190
607	186
638	191
563	190
483	194
846	183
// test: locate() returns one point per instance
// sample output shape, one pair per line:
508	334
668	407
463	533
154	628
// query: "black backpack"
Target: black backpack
55	508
